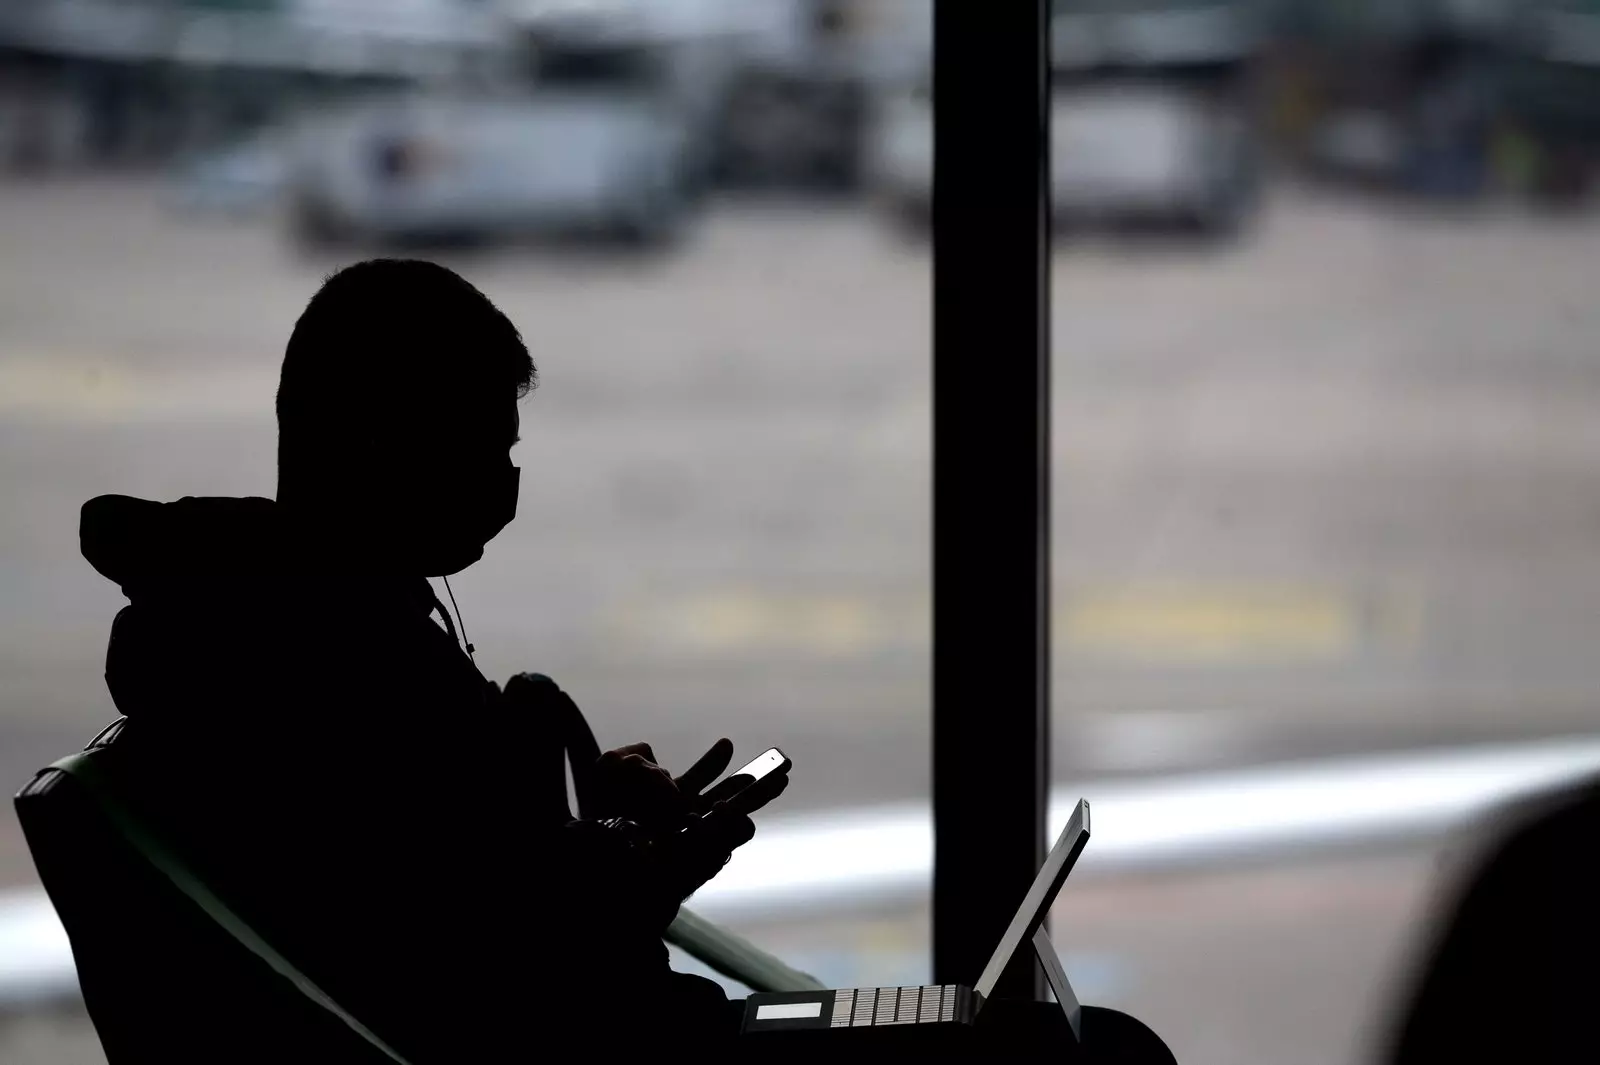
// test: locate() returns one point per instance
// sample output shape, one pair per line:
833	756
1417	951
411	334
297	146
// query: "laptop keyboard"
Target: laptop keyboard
872	1007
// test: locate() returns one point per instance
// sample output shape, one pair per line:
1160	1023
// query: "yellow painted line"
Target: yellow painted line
1198	624
743	620
1217	624
64	384
1400	619
70	386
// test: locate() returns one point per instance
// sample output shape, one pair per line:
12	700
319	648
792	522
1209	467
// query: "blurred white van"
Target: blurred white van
453	169
594	137
1148	120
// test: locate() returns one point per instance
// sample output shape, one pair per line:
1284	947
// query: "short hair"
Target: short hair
387	341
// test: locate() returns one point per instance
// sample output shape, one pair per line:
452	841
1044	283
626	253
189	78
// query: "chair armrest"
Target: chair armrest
734	956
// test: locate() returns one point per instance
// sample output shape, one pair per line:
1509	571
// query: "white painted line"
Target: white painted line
831	862
35	958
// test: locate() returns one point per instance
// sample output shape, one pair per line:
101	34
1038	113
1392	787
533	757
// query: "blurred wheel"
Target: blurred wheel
1563	181
912	218
314	228
1230	199
655	223
1221	217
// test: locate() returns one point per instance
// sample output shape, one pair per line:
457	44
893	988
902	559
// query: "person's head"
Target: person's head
397	410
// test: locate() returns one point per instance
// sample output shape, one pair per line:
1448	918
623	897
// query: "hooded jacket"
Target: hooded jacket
340	770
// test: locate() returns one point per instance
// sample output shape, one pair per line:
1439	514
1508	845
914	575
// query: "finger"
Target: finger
760	793
638	763
699	853
643	773
614	760
707	769
641	749
727	789
727	827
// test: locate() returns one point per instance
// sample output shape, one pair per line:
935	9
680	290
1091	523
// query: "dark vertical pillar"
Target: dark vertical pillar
991	477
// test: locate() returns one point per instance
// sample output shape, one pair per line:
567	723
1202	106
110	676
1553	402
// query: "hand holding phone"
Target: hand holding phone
698	850
757	783
771	763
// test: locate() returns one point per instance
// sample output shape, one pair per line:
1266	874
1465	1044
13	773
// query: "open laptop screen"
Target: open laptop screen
1041	894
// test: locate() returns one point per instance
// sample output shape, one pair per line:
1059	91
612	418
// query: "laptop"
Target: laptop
941	1004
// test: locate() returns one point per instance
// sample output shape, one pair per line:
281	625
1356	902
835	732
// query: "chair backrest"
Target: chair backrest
162	979
169	972
734	956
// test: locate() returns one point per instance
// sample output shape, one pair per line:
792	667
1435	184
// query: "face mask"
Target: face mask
500	505
452	536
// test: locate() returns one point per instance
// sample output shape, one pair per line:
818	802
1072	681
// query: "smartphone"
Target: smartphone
762	765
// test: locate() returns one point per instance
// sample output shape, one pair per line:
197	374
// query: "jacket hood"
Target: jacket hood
142	544
218	583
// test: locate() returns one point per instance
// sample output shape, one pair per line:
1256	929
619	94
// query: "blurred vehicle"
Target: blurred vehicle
1152	118
770	95
596	140
901	162
433	170
792	128
1154	111
1399	94
86	84
241	178
793	115
1551	96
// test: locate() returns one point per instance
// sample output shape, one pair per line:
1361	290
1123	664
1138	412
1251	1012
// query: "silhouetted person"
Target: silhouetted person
1508	972
307	726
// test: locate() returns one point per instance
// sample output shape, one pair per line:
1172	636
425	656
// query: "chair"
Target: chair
125	897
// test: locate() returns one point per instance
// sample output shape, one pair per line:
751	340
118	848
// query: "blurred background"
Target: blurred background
1327	432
